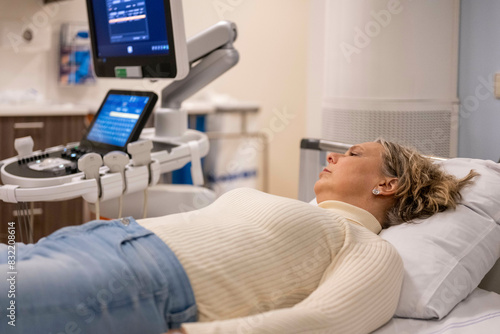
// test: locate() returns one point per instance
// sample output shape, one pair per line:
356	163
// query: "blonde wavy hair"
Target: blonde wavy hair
423	187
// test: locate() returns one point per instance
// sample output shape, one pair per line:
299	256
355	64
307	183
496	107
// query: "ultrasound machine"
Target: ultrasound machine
117	155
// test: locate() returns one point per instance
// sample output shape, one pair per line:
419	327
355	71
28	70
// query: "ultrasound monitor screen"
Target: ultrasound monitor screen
130	28
117	119
138	38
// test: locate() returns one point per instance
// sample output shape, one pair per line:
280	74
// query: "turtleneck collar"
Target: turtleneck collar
354	214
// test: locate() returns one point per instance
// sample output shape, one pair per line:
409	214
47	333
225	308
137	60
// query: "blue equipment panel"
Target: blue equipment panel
117	119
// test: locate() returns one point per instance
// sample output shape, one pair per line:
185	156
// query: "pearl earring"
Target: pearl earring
376	192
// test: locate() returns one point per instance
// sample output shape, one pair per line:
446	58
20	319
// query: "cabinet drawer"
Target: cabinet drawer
46	131
48	217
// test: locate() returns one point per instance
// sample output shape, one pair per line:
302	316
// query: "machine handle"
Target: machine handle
36	212
29	125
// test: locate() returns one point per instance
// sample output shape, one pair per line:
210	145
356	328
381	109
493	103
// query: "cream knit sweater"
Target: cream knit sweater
260	263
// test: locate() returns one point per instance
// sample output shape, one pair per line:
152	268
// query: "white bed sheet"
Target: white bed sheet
479	313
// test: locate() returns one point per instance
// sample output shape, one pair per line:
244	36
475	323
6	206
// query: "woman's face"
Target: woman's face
352	175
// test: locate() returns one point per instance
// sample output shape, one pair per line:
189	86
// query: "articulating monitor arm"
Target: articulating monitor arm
211	54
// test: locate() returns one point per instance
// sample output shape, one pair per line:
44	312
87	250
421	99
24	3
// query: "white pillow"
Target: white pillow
446	256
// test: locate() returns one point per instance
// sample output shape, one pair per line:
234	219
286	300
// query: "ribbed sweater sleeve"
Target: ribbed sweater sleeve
358	294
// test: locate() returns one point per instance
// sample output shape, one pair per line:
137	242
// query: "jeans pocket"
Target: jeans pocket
136	251
190	314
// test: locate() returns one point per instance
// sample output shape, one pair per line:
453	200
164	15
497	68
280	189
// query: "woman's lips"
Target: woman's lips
325	171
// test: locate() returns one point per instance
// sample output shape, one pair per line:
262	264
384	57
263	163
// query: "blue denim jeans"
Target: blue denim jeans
100	277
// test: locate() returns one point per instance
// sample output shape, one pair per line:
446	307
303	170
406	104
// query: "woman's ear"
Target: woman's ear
388	186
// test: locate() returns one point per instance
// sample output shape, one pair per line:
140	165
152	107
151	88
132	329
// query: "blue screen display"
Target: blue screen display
117	118
130	28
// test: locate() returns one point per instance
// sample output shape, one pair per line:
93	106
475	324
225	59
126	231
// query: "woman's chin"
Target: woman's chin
318	188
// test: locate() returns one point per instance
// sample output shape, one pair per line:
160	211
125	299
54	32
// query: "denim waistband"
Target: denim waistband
154	265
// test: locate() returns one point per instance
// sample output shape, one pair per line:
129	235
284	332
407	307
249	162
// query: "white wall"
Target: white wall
315	67
272	41
479	135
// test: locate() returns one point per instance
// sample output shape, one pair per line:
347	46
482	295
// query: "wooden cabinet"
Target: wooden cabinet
46	131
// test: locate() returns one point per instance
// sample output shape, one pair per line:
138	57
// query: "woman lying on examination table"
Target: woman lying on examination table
248	263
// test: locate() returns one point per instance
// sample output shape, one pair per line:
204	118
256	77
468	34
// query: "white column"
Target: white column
391	70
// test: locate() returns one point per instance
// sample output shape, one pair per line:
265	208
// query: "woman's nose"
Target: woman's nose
332	157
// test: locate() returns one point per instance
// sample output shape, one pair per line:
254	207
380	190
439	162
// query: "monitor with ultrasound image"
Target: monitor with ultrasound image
138	38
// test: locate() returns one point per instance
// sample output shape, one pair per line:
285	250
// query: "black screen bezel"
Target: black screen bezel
98	147
153	66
